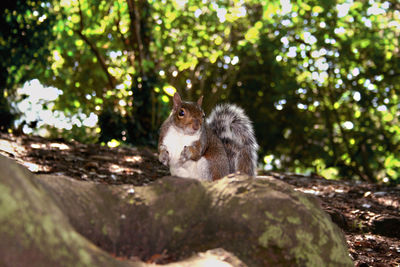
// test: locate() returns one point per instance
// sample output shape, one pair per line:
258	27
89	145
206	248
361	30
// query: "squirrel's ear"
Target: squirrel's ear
177	101
200	101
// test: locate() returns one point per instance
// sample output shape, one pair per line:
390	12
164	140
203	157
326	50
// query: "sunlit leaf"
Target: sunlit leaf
169	90
252	35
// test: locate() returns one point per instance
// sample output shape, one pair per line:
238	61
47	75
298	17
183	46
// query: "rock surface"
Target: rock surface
43	222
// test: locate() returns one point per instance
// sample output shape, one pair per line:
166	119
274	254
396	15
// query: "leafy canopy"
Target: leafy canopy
320	79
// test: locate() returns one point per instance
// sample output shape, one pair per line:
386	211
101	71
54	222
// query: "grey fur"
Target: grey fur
234	128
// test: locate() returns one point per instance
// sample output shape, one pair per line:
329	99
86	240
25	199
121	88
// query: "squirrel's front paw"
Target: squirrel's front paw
163	157
186	154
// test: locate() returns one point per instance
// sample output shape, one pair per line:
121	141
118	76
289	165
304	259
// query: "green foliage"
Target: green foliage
320	79
25	26
25	31
328	88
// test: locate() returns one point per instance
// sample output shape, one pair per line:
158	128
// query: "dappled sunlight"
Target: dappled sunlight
324	71
11	148
116	168
36	103
133	159
81	161
389	202
113	143
33	167
119	169
323	190
38	146
59	146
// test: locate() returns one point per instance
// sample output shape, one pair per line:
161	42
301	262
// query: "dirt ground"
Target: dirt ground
369	214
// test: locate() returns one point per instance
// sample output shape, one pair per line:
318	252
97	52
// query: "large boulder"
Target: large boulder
48	220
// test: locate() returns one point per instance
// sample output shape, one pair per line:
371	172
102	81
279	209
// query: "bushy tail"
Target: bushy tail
234	128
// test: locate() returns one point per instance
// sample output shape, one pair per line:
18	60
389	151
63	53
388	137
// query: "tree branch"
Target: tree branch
135	27
96	52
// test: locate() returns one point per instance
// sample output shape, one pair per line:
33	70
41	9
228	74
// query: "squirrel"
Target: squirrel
209	149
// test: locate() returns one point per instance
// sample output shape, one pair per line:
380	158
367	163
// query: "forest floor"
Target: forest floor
369	214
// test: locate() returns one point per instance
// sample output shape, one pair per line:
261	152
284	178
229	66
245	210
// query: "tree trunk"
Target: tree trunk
264	222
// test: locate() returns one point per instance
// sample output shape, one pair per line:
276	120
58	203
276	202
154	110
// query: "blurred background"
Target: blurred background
320	79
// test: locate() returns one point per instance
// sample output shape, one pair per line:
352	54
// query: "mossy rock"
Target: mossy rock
48	220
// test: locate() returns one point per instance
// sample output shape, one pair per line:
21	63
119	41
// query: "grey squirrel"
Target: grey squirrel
207	149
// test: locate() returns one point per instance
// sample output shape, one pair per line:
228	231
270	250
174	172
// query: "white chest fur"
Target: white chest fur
175	141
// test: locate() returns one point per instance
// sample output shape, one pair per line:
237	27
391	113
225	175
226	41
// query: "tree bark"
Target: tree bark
263	222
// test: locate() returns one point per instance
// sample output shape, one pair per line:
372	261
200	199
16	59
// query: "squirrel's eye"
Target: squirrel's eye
181	113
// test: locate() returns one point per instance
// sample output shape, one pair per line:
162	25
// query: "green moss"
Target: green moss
29	229
49	229
274	236
170	212
306	251
33	227
47	224
293	220
85	257
323	239
9	222
338	250
270	216
104	230
71	237
303	199
8	203
178	229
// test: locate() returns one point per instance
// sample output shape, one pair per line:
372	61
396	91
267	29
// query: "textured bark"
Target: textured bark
263	222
